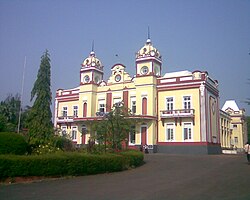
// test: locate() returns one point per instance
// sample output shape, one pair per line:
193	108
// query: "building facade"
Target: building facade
237	136
178	111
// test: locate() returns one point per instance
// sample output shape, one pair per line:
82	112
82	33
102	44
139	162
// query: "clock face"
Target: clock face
86	79
117	78
144	70
93	64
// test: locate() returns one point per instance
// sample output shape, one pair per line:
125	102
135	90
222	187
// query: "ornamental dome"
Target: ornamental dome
92	61
148	50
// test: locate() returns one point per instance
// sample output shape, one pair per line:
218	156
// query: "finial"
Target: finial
148	40
92	50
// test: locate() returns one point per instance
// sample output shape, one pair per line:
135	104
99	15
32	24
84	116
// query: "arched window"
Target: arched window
85	109
144	105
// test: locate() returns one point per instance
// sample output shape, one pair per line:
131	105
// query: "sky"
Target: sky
205	35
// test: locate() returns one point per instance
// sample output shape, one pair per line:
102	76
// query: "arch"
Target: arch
84	109
144	105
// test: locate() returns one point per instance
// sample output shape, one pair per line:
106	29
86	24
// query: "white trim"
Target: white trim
192	133
171	125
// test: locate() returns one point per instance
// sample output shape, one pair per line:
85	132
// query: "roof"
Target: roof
230	104
177	74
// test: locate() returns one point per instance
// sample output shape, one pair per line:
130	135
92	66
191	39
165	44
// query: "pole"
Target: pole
20	110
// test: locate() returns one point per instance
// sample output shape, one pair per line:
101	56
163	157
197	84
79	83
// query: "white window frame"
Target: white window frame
74	133
170	126
75	110
190	136
133	104
117	100
189	102
132	143
64	129
101	105
167	103
65	111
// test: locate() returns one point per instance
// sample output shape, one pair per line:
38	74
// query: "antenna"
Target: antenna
20	110
148	40
93	45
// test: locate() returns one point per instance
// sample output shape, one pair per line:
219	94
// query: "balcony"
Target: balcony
180	113
65	119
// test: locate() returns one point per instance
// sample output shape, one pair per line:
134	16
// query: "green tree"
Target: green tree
115	127
9	112
39	123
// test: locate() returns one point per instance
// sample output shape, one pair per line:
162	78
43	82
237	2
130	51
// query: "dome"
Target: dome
92	61
148	50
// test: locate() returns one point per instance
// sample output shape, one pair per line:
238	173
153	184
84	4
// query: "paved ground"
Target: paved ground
163	176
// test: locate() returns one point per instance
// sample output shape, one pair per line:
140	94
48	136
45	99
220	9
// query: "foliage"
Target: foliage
42	149
62	143
63	164
9	113
114	128
248	128
12	143
39	122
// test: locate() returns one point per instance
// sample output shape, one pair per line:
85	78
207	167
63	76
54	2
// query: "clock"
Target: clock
152	53
86	79
144	70
93	64
118	78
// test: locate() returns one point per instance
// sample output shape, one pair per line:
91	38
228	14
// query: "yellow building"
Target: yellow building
238	125
225	129
178	111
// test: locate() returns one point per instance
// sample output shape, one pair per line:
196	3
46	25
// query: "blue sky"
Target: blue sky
204	35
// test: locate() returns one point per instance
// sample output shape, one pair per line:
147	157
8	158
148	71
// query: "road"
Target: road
173	177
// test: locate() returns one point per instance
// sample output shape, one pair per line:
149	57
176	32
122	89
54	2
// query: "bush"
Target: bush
12	143
63	164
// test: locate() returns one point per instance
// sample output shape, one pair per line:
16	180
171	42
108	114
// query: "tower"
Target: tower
148	60
92	70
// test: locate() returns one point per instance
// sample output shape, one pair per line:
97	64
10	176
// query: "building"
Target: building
178	111
237	136
225	130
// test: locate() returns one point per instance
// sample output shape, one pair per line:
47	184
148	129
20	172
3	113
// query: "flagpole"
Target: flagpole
20	110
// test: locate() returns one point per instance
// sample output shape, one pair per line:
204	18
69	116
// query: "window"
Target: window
235	126
75	111
170	132
170	103
236	140
65	111
132	135
144	105
84	129
102	106
74	133
187	131
64	130
117	101
84	109
187	102
133	105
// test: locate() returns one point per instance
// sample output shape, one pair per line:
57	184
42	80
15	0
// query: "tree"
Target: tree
115	126
39	123
9	112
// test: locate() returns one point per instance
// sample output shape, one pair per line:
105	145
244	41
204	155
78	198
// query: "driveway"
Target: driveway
162	177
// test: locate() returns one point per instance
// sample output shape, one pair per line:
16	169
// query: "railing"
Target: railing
177	113
66	118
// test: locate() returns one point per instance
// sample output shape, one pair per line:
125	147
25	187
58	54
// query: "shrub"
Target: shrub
12	143
62	164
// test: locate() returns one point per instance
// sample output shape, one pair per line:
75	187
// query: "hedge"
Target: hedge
12	143
64	164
